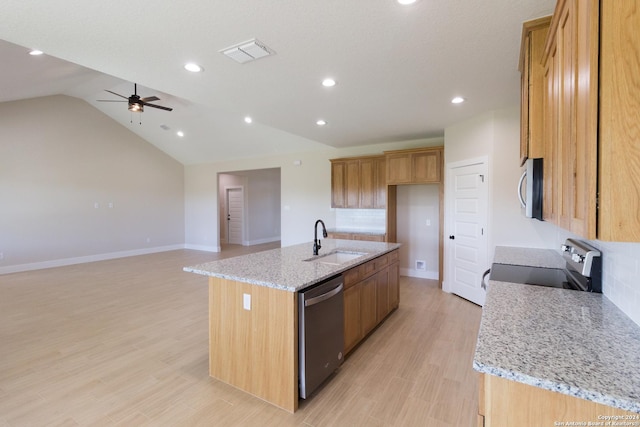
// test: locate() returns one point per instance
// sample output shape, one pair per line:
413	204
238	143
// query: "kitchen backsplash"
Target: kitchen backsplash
361	220
620	273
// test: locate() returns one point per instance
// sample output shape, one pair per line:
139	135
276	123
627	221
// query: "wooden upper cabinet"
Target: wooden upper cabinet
591	108
619	126
338	184
534	34
414	166
357	183
353	184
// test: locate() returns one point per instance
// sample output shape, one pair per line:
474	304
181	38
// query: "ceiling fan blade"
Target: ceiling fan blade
109	100
117	94
150	98
157	106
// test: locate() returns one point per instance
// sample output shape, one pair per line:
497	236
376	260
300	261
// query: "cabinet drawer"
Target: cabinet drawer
351	277
393	256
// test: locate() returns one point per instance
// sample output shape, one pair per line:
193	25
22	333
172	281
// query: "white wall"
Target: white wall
305	191
58	158
496	135
416	205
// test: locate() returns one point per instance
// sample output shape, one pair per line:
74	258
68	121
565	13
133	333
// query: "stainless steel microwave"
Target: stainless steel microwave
531	200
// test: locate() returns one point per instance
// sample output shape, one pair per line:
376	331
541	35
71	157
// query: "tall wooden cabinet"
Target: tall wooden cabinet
592	110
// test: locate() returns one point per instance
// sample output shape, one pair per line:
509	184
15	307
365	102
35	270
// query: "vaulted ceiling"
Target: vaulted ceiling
396	67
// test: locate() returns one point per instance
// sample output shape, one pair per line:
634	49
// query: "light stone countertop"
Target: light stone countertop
533	257
286	268
575	343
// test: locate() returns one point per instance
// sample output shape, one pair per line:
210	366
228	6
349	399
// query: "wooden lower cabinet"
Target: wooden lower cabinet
371	293
504	402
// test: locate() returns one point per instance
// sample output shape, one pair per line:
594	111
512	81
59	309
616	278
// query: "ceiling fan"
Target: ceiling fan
137	104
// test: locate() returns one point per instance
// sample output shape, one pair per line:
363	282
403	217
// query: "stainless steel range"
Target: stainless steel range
583	270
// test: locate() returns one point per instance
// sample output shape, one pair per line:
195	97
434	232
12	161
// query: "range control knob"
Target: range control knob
577	258
565	248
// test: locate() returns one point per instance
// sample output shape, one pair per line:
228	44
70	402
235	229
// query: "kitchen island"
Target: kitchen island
550	355
253	314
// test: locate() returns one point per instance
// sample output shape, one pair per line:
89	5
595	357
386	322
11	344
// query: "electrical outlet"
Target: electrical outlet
246	301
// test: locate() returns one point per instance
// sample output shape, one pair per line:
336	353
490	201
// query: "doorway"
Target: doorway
467	242
235	215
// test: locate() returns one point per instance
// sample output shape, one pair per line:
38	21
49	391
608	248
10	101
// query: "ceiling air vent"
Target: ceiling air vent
247	51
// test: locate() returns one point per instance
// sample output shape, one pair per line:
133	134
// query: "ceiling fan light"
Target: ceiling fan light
135	107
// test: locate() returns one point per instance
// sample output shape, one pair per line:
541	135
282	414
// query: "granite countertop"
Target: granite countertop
533	257
286	268
575	343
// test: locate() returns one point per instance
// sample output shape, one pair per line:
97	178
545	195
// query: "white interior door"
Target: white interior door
235	215
467	231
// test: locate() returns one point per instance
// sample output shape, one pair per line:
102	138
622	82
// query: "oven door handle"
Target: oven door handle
483	284
520	196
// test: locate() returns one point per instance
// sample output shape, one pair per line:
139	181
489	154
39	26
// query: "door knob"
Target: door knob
452	237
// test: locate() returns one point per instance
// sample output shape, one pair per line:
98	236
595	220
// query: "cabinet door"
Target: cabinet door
338	184
550	172
380	186
353	184
399	168
352	327
368	308
382	294
367	183
426	167
619	156
394	285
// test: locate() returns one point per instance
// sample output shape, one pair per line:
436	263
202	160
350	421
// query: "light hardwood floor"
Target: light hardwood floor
124	343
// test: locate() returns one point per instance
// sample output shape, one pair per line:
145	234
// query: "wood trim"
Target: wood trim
528	27
254	350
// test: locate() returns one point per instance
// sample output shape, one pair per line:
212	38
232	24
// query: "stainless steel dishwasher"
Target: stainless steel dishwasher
321	333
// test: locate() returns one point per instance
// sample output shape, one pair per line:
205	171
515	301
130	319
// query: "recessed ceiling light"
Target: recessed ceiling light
406	2
321	122
457	100
180	133
248	119
36	52
193	67
328	82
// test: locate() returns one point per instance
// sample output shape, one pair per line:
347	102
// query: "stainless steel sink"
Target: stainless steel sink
336	257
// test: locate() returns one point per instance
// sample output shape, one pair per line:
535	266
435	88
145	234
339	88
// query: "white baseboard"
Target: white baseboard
260	241
203	248
422	274
84	259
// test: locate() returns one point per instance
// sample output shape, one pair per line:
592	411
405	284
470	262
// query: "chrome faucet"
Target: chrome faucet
316	241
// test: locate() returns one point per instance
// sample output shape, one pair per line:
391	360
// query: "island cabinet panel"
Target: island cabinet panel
368	309
352	331
394	285
254	350
509	403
